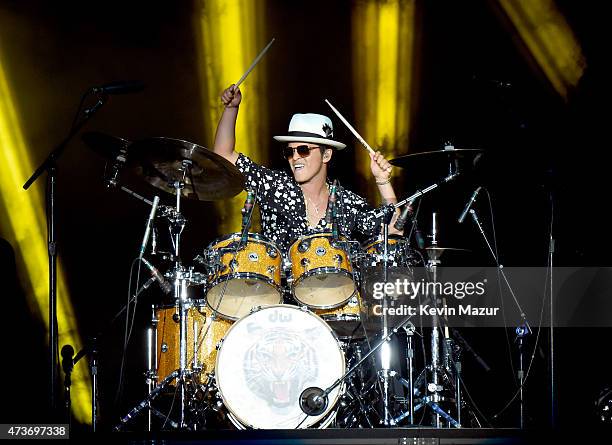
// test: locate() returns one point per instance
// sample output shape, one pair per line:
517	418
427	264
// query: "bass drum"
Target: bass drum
268	358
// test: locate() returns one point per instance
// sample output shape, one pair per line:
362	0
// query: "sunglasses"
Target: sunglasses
302	150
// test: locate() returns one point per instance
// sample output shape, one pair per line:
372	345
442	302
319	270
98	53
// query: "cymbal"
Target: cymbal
435	155
207	176
435	252
105	145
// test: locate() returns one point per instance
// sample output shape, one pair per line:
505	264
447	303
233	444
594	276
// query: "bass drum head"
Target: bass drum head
268	358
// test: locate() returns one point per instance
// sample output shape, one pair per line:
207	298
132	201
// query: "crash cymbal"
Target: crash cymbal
105	145
207	176
435	155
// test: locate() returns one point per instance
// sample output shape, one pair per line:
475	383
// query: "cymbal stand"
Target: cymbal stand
385	350
181	281
410	330
177	224
434	386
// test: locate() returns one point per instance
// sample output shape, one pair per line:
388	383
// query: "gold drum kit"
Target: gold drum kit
265	326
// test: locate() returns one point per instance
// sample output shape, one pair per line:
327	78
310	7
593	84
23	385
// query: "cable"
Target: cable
119	392
503	307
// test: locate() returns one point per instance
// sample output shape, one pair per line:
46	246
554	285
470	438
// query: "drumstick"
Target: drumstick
261	54
350	127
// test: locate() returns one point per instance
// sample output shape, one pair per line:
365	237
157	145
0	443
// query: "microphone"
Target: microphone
163	283
313	401
331	202
246	216
468	205
67	354
334	219
469	348
153	241
145	239
401	220
112	179
120	87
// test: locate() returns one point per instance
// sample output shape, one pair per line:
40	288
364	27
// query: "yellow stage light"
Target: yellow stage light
383	52
549	39
231	34
24	225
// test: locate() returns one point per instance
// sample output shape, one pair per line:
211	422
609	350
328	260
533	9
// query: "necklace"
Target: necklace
315	207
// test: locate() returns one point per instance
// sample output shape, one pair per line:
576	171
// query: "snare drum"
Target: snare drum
204	331
322	272
244	278
268	358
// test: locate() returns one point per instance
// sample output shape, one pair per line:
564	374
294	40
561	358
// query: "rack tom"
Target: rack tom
321	270
243	277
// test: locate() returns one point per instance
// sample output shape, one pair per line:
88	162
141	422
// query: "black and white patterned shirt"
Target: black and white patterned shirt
283	209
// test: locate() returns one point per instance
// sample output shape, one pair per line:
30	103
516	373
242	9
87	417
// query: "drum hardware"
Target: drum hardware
435	367
313	399
409	329
385	352
416	195
434	386
357	403
175	166
147	401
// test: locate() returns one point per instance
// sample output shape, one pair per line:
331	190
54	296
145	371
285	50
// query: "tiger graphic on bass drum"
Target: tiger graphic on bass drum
280	365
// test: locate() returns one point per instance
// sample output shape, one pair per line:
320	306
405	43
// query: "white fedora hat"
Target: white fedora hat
313	128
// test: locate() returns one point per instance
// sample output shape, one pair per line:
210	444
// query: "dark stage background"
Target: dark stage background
537	146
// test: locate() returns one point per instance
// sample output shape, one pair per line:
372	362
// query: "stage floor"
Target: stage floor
394	436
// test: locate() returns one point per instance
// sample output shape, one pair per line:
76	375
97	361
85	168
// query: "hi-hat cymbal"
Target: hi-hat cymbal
435	252
207	176
435	155
105	145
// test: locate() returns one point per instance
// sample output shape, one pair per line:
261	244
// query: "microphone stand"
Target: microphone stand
67	365
50	166
314	401
417	194
523	330
91	349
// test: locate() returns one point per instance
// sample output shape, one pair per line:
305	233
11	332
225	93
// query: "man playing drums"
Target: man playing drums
295	206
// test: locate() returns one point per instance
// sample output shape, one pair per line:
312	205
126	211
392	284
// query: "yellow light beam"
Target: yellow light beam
24	225
231	33
383	52
549	39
